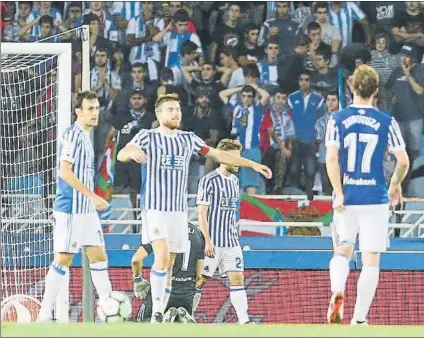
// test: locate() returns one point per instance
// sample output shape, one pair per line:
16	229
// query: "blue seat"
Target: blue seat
31	184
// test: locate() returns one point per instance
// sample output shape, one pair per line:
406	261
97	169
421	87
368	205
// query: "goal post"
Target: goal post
36	81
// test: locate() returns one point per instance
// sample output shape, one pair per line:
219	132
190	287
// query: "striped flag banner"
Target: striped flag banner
105	179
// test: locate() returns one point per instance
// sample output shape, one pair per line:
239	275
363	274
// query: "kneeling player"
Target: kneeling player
77	222
217	199
187	270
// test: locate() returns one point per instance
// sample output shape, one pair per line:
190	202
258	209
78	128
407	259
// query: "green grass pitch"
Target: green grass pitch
205	330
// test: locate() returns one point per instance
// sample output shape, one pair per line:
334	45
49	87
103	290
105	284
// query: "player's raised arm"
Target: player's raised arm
227	158
134	149
397	148
332	142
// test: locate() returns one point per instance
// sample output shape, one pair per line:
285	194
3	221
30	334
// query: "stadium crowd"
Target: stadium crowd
265	72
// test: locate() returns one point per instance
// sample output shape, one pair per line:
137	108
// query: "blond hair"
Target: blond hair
227	144
166	98
364	81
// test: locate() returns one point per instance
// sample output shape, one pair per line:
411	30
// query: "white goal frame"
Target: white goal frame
64	109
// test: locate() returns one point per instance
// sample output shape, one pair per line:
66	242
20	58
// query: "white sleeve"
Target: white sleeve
395	139
332	136
131	26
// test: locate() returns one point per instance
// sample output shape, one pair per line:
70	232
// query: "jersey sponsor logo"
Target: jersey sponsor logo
182	279
347	180
172	162
358	119
228	203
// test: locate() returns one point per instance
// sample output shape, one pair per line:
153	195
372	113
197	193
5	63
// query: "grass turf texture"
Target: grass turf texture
205	330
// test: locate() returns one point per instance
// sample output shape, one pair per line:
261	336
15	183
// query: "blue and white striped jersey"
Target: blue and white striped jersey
75	147
173	42
222	194
164	176
363	134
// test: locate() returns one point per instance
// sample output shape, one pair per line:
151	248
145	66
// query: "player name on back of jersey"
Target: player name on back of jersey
358	119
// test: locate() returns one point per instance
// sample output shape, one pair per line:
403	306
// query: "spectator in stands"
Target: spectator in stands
107	28
124	11
76	67
343	15
205	122
247	119
234	74
105	82
332	105
249	52
44	8
301	12
384	63
277	133
140	32
127	175
330	34
138	79
188	55
6	17
206	82
324	79
98	42
407	84
409	25
268	67
382	15
46	29
314	33
293	65
230	34
173	35
74	14
11	30
307	107
168	86
282	27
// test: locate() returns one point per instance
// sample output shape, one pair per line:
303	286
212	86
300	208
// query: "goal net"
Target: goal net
35	110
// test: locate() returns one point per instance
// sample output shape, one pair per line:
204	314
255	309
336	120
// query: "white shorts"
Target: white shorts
226	259
72	231
371	222
170	225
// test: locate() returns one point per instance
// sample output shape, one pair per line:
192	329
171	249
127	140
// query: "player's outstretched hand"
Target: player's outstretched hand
99	203
138	156
262	169
395	194
209	249
338	203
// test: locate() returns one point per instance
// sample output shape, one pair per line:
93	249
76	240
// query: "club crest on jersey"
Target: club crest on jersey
172	162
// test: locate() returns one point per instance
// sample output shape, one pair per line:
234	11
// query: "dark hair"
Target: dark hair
139	65
304	72
46	19
181	15
207	61
89	18
332	93
229	51
188	47
251	70
28	3
230	4
281	90
302	40
271	41
313	26
248	89
167	74
250	27
324	50
85	95
101	49
320	5
378	35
